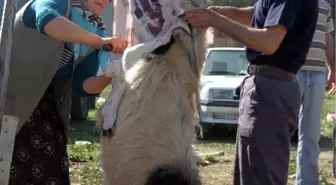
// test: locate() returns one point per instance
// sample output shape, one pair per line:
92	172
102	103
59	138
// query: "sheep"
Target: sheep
156	118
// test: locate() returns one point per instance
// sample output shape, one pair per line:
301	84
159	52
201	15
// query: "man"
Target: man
278	34
312	80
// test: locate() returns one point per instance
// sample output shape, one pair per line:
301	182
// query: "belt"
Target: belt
269	71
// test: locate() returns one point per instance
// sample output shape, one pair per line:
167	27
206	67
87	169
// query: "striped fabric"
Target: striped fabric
81	6
67	56
316	58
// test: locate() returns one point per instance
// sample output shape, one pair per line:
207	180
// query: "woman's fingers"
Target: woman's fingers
121	45
118	45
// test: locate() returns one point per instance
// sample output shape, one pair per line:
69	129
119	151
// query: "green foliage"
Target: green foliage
83	158
209	158
84	168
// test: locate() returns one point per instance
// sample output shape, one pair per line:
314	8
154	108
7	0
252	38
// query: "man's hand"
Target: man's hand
202	17
331	82
329	49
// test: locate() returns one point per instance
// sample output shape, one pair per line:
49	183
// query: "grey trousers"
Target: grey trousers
269	110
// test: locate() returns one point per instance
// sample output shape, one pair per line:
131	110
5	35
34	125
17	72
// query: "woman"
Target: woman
43	72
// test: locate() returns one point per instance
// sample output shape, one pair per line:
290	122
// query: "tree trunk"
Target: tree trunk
8	124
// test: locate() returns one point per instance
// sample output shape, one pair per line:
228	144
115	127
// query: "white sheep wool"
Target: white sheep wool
147	121
147	25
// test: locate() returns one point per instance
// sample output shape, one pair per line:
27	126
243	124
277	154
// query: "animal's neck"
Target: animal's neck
170	74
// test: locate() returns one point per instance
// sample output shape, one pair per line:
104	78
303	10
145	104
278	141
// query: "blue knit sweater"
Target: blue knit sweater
37	16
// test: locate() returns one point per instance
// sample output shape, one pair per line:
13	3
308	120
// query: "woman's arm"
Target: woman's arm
62	29
96	84
85	81
48	17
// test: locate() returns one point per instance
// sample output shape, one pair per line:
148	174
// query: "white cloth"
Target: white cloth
110	107
145	31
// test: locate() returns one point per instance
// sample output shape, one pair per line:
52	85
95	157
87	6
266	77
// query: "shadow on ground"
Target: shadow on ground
86	131
221	135
229	136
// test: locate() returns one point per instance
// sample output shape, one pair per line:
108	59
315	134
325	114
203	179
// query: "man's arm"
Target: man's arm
330	52
266	40
329	28
240	15
281	16
330	64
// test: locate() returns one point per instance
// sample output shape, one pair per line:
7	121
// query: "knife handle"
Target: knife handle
107	47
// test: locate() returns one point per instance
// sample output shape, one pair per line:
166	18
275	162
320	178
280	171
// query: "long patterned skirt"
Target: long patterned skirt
40	151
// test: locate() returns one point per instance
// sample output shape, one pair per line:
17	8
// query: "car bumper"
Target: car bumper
224	112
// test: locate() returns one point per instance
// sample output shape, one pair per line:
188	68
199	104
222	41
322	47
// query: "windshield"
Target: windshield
226	62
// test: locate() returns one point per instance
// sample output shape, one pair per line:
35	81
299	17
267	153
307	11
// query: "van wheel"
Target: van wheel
207	131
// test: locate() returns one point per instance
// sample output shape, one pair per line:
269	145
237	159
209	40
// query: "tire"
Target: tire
207	132
79	108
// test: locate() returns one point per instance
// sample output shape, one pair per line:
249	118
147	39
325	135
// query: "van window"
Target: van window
226	62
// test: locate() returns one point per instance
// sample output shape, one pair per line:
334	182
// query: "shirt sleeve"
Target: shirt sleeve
40	12
329	27
283	12
86	69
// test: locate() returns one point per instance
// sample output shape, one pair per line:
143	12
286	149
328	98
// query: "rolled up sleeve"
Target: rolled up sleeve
41	12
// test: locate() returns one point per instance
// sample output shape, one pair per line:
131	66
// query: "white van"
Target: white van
224	70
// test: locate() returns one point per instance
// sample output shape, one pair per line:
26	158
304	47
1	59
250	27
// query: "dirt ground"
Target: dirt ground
84	169
221	170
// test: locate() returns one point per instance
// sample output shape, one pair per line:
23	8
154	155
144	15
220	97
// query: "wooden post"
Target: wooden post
9	123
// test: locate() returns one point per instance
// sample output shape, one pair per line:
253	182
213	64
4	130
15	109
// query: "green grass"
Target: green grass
84	169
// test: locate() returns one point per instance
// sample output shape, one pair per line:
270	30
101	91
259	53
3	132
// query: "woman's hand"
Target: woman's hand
118	45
